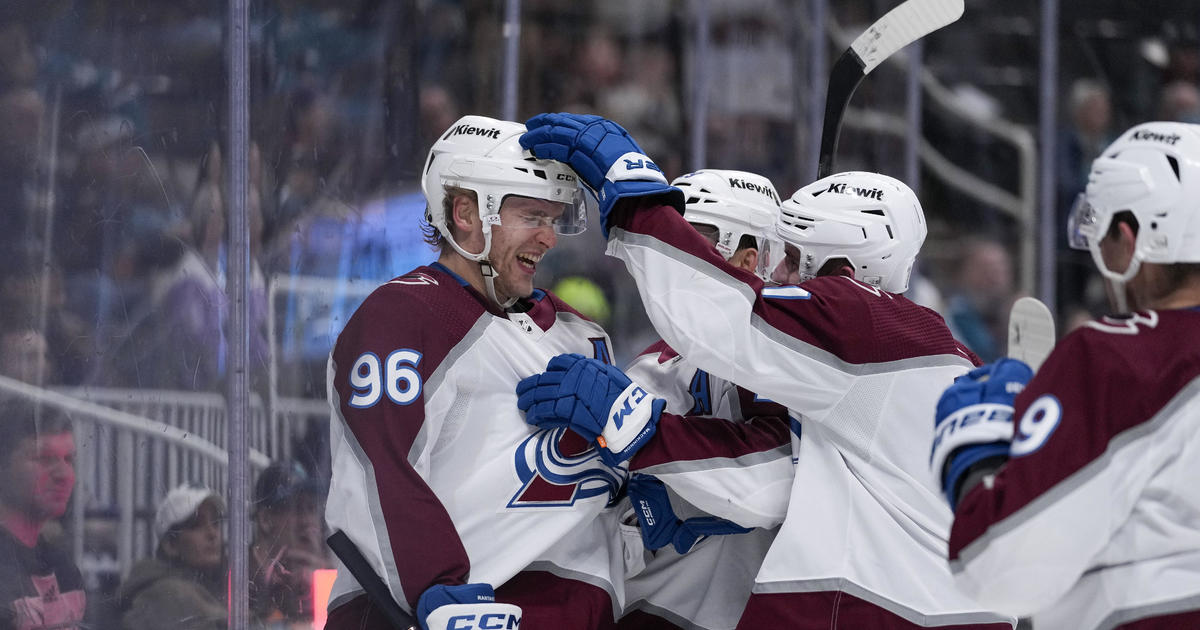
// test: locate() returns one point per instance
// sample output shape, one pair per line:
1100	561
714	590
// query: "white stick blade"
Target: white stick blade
902	26
1030	332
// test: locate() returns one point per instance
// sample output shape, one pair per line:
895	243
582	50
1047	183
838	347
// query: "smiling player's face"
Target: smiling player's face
524	235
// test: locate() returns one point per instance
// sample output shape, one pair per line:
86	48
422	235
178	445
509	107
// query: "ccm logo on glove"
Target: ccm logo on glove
485	622
631	400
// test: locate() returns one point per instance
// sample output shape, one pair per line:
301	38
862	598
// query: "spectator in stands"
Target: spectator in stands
288	545
22	112
184	585
978	308
1180	101
34	324
188	307
40	585
24	355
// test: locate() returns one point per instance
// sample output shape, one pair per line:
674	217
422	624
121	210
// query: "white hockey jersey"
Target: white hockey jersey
436	476
864	539
1094	522
707	588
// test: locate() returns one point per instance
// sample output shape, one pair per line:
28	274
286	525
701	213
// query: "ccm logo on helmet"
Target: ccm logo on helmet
745	185
472	130
1146	134
843	189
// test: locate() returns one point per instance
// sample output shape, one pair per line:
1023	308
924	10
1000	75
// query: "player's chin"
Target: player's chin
520	280
514	288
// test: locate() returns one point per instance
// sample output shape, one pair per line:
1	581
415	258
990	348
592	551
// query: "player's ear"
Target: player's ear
837	267
466	213
745	258
1118	245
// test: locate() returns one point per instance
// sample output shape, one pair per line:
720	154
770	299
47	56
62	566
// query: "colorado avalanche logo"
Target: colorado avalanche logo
551	479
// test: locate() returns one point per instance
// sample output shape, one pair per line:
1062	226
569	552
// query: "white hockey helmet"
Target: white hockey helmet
872	220
1152	171
727	205
483	154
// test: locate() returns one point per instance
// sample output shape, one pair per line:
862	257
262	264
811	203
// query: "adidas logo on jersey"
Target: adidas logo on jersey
1154	136
844	189
745	185
472	130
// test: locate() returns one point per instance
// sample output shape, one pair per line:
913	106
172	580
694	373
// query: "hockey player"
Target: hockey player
472	518
1091	519
855	363
736	212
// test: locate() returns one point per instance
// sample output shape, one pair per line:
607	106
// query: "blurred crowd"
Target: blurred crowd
114	228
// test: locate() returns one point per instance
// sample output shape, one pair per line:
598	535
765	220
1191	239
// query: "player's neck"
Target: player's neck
466	269
469	271
20	525
1154	290
1177	300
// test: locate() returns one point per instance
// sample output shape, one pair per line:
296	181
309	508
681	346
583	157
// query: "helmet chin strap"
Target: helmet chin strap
489	281
485	266
1117	282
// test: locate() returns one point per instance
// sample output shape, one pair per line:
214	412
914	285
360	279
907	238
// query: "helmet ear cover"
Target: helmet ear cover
734	209
873	221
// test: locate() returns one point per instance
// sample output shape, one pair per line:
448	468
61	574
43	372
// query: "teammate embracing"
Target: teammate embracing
736	212
472	518
1089	511
858	366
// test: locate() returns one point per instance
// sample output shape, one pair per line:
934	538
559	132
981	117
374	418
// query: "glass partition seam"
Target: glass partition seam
239	263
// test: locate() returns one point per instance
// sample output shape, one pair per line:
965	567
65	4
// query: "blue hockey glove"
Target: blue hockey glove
974	420
659	524
603	154
443	607
594	399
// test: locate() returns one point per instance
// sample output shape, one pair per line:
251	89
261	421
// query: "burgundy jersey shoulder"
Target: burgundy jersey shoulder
426	310
1094	369
857	322
661	348
545	307
1104	379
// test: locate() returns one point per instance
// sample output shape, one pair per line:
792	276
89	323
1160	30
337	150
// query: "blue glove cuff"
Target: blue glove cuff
441	595
616	458
693	530
612	192
652	506
962	460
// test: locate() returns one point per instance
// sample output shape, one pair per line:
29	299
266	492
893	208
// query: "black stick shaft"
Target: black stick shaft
847	73
376	590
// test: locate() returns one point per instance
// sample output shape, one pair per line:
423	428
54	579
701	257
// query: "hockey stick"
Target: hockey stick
376	590
1030	332
898	28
